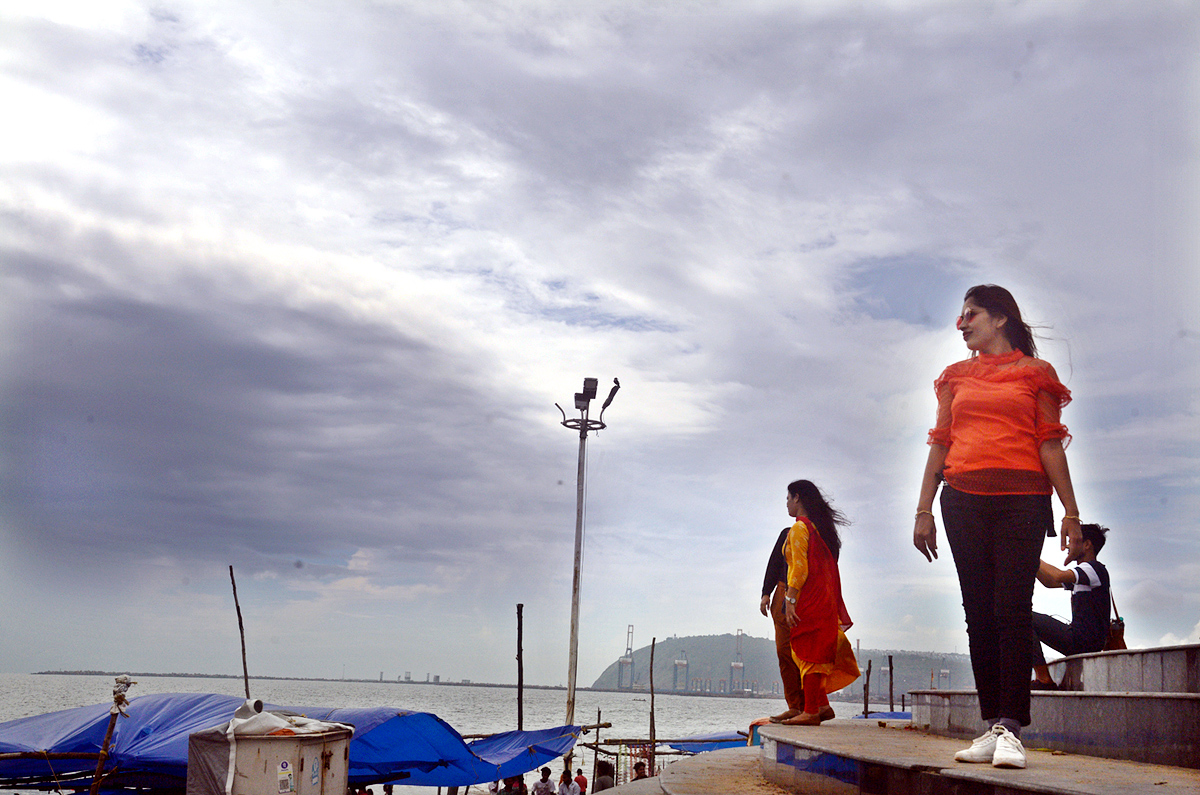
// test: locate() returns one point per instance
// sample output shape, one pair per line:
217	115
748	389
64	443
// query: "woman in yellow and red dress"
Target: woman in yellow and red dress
813	603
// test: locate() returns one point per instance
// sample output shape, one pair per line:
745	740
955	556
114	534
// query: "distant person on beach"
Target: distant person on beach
639	771
604	776
543	786
814	607
771	604
581	780
566	784
998	446
514	784
1088	583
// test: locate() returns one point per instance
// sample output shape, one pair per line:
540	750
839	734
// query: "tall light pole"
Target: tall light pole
583	401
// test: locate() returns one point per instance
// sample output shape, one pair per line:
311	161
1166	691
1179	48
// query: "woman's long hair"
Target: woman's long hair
999	302
820	513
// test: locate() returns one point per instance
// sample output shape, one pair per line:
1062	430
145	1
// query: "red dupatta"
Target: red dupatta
819	604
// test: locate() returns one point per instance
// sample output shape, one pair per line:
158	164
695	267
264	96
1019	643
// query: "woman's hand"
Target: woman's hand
925	535
764	605
790	613
1054	461
925	531
1068	522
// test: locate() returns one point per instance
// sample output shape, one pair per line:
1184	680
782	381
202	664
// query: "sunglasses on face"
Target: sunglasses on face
966	317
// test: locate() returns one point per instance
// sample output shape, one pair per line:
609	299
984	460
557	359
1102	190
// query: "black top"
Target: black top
1089	602
776	565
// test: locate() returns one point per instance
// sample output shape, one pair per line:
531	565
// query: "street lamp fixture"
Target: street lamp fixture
583	424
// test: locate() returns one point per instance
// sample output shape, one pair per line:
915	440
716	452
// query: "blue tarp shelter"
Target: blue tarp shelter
149	748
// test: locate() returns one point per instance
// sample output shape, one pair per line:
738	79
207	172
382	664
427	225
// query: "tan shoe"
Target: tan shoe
782	716
826	713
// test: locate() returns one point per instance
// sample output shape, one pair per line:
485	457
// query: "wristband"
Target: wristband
919	512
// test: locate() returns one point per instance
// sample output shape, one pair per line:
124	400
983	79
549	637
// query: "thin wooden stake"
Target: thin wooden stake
891	682
596	750
120	688
242	632
867	690
520	672
652	768
112	721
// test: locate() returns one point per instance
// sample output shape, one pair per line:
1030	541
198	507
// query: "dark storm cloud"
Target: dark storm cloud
230	423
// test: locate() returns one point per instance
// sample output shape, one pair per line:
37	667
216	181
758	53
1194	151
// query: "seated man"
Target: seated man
1088	584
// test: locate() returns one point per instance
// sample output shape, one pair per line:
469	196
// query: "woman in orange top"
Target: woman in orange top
813	602
998	445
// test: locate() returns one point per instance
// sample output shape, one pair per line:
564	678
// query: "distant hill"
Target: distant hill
709	659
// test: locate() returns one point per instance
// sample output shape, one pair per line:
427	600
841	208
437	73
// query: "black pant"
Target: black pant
1064	638
997	542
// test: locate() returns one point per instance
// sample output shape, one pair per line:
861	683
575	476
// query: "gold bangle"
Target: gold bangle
919	512
1076	518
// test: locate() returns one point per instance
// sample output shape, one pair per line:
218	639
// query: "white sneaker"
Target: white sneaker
983	749
1009	751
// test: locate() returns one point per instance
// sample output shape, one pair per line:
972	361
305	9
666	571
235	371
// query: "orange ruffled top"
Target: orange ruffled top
994	413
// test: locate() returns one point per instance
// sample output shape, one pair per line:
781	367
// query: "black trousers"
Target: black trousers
997	542
1064	638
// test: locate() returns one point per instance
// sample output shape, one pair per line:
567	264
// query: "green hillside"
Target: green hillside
709	659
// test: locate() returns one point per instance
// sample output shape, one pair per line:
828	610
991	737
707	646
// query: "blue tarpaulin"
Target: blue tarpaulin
709	742
150	747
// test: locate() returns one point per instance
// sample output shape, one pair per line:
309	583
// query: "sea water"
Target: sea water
470	709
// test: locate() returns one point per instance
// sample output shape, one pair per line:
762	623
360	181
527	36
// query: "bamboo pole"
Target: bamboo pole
595	748
112	721
520	672
242	632
867	690
122	685
642	741
891	682
653	641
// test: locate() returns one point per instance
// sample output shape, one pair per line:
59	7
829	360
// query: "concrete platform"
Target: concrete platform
724	772
884	757
1166	669
856	757
1157	728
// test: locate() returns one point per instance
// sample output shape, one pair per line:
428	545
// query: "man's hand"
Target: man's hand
764	605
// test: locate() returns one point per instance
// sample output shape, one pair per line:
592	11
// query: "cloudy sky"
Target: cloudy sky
294	287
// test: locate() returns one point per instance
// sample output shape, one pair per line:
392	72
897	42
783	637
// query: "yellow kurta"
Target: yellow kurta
843	668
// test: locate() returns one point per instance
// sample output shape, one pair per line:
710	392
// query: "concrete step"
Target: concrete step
890	758
1159	728
1166	669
